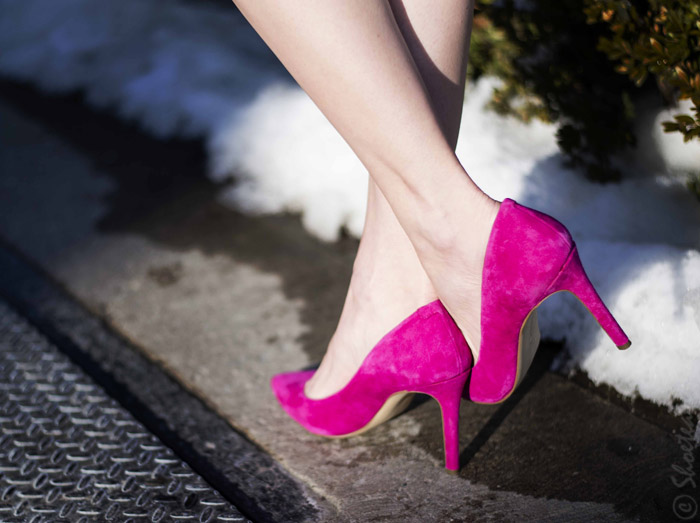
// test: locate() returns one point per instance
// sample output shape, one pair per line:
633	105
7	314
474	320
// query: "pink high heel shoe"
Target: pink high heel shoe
529	257
425	353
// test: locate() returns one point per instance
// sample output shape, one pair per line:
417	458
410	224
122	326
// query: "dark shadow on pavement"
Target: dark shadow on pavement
540	366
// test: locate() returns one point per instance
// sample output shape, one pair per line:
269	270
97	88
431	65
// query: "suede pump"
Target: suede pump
529	257
426	353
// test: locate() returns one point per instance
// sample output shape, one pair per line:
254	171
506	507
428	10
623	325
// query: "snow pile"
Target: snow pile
176	68
196	70
287	156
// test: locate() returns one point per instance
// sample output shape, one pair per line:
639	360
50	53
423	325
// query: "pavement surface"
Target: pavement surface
130	228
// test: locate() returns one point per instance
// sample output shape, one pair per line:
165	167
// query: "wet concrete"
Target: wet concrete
130	225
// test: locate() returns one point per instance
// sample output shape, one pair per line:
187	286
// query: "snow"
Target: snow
196	70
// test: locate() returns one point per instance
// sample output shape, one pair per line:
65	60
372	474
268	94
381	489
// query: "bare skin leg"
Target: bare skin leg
388	281
391	93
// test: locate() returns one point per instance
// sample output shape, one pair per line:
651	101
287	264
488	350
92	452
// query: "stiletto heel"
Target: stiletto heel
573	278
529	257
425	353
449	394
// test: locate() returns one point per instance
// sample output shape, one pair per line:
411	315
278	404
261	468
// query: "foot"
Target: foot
370	311
456	269
451	240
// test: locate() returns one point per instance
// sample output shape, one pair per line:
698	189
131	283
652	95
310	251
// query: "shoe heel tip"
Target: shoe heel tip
625	345
452	472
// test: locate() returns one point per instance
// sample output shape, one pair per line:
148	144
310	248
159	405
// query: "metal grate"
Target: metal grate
69	452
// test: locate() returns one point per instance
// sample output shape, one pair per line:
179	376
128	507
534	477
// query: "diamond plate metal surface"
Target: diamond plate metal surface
69	452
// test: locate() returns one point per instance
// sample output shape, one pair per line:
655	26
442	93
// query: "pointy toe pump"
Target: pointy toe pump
529	257
425	353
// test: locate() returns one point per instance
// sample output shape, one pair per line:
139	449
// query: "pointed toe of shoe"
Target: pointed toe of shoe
289	387
425	353
316	416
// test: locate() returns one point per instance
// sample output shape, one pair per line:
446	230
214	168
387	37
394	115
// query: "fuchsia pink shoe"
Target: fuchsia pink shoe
425	353
529	257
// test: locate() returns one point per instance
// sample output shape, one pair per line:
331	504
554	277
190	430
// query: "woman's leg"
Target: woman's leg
388	281
355	64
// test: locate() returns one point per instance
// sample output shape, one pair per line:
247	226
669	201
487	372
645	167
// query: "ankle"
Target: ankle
378	286
387	269
465	223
